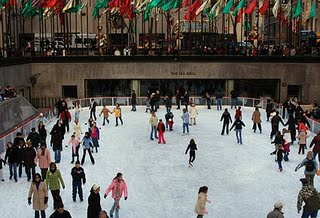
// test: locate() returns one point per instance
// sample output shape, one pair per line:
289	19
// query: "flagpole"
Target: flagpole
87	16
269	27
2	32
81	32
280	29
76	31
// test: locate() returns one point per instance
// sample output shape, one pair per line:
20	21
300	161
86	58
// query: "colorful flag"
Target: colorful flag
228	7
240	5
202	7
170	5
275	8
313	10
191	13
298	9
251	7
287	10
216	9
264	7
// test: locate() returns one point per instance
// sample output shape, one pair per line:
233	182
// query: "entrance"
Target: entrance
69	92
294	91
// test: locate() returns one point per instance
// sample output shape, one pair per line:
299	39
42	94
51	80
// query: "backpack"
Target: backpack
309	165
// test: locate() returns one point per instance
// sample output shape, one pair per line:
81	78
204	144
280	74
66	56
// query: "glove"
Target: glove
298	211
295	170
105	196
125	198
45	200
84	181
271	153
63	187
29	201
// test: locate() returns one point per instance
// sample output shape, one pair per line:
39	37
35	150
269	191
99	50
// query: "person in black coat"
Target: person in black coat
186	100
192	154
178	99
93	106
78	177
237	125
42	132
133	101
169	120
279	153
292	126
275	124
269	108
57	134
12	158
94	206
34	137
226	117
29	156
153	101
60	212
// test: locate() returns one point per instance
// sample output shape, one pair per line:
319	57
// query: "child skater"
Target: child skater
161	129
238	128
78	178
117	114
75	142
169	120
279	151
302	141
286	143
200	208
192	154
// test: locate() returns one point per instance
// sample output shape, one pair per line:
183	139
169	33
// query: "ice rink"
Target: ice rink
243	180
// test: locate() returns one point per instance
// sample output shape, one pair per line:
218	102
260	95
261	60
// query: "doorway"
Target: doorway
69	92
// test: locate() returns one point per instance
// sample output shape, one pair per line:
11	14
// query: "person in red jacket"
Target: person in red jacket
238	113
117	186
161	129
65	117
316	149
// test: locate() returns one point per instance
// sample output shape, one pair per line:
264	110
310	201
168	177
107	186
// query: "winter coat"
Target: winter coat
316	142
38	194
302	138
276	120
12	155
77	130
310	196
44	160
94	206
17	140
75	143
65	214
93	106
238	114
192	147
185	117
226	117
53	180
291	123
133	98
87	143
169	116
34	137
78	174
237	124
113	187
279	153
256	117
200	208
153	120
105	111
304	163
117	112
161	127
269	107
302	126
42	134
65	115
29	156
57	137
278	140
94	133
276	213
193	112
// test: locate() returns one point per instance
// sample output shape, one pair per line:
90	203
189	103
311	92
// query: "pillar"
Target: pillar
135	85
229	86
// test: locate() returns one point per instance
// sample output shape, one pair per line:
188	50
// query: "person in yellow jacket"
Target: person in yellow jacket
200	208
105	111
117	114
153	122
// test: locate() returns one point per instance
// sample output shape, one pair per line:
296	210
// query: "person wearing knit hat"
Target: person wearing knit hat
94	206
310	196
277	211
311	167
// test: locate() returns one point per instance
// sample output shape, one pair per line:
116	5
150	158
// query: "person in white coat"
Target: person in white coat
193	114
76	128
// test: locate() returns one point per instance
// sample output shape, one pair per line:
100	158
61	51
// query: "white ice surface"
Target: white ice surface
243	180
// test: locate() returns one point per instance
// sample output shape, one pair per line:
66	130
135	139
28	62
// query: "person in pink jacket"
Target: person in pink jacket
44	158
117	186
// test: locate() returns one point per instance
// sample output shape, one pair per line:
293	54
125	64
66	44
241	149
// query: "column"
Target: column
135	85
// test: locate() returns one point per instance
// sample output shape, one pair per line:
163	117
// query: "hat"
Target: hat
278	205
304	181
95	187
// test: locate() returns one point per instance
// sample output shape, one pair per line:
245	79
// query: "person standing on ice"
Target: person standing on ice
77	128
87	145
161	129
44	158
200	208
226	117
94	206
75	143
185	120
193	114
292	127
311	167
256	118
237	125
38	191
310	196
53	181
95	136
105	111
279	152
316	149
118	187
192	153
302	137
277	211
169	121
78	177
238	113
153	120
275	120
117	114
92	109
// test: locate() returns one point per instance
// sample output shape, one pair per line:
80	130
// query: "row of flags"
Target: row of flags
127	8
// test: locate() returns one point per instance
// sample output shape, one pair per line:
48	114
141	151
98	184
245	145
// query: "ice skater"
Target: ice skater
200	208
92	109
153	120
238	124
256	118
192	153
311	167
87	146
185	119
161	129
169	120
302	137
117	114
226	118
279	151
118	187
75	142
193	114
78	178
95	136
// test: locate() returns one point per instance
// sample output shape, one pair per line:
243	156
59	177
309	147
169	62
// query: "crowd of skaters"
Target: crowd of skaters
26	153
